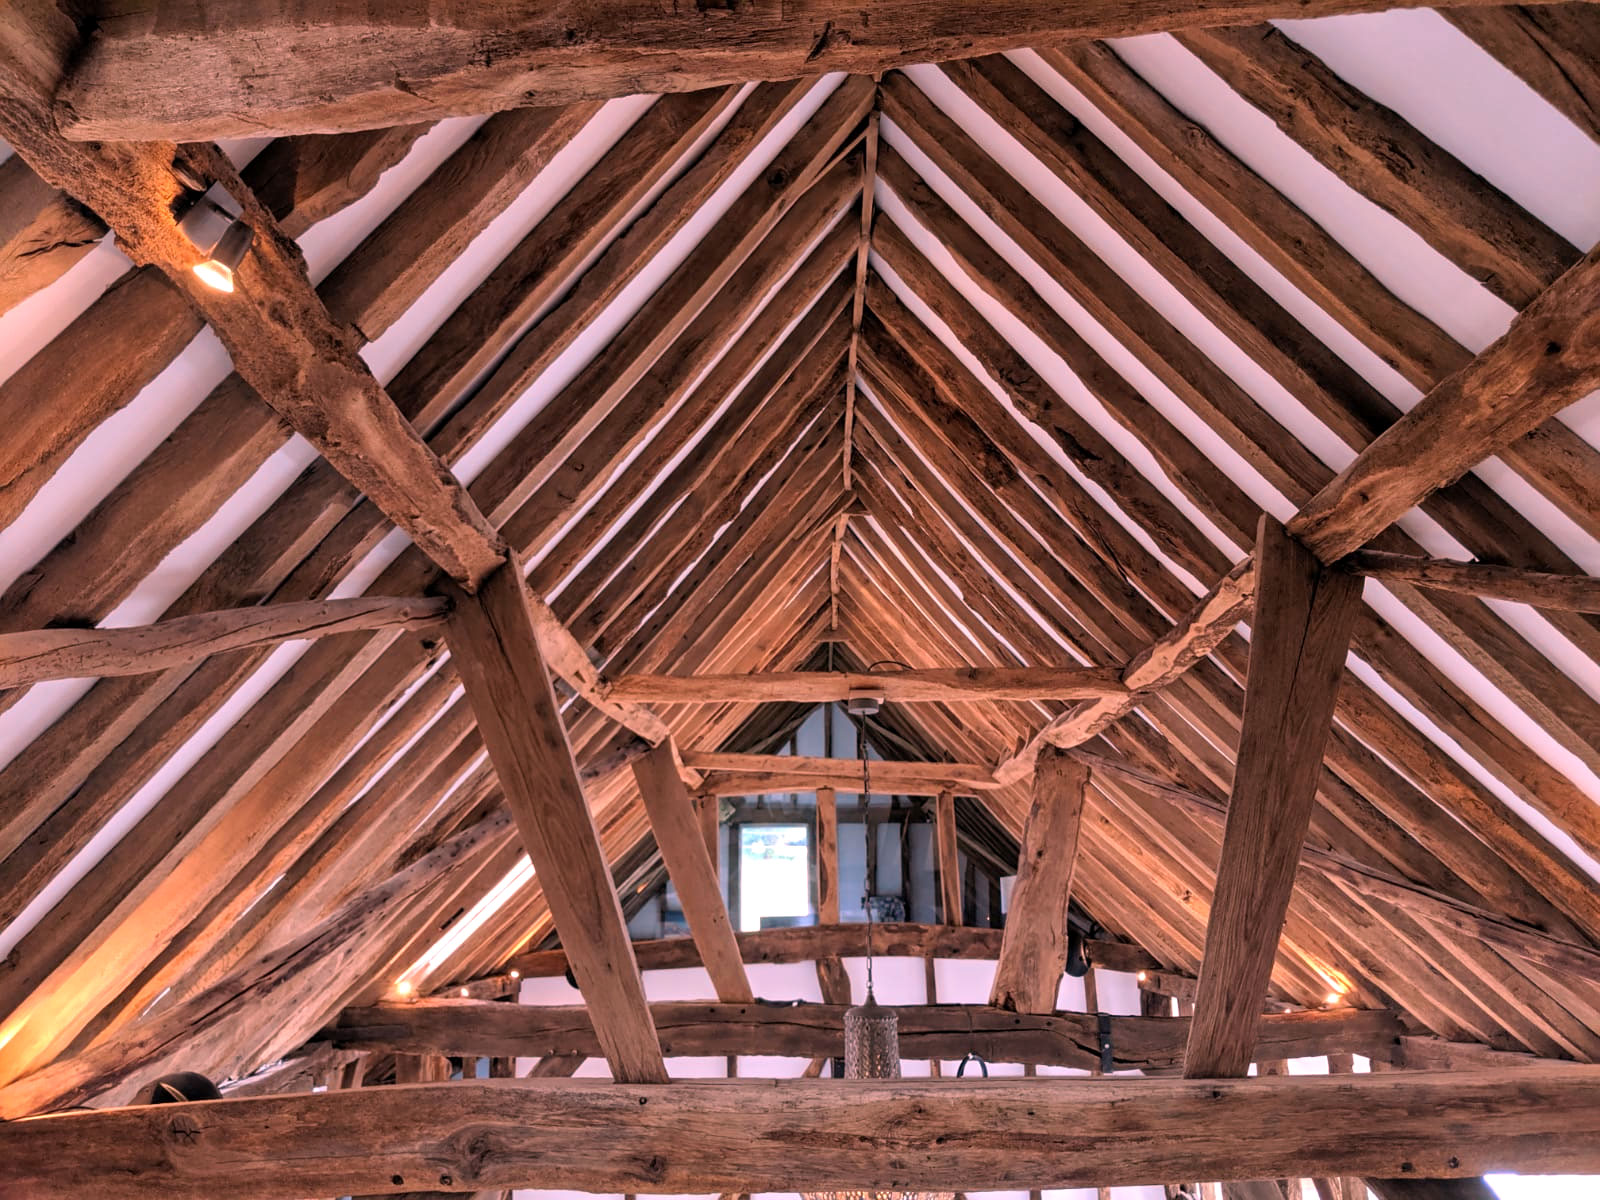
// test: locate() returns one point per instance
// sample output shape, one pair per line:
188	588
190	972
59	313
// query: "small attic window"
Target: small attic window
774	876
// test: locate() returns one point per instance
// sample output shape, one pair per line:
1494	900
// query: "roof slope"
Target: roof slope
996	362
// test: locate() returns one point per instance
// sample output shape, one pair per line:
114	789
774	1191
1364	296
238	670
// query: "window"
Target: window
774	875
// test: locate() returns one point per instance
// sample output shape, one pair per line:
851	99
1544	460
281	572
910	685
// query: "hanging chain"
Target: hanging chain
866	836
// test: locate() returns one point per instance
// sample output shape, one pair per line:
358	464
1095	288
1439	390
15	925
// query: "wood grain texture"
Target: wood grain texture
43	232
1034	950
811	942
277	331
266	1008
1491	581
844	772
1553	48
1379	154
41	654
151	73
742	1135
1548	359
693	872
949	861
1299	638
897	687
496	651
478	1028
1157	666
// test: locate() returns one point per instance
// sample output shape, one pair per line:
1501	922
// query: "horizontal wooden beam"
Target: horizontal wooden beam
253	70
807	943
940	685
842	774
1491	581
40	654
764	1135
483	1028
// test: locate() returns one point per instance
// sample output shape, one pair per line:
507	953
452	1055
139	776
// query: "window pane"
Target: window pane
774	875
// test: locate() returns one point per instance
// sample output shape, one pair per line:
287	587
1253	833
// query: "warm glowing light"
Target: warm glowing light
1335	996
403	988
464	992
1143	975
516	974
215	275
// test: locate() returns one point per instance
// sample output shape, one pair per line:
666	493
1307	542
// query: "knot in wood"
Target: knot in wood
183	1130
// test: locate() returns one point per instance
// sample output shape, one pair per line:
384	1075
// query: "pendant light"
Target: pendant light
871	1031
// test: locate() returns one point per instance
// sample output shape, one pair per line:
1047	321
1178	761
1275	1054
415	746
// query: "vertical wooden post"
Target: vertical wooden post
944	832
1299	636
827	857
1033	950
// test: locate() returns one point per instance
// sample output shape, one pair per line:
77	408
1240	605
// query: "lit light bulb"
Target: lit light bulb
464	992
516	974
215	275
1143	976
403	988
1335	996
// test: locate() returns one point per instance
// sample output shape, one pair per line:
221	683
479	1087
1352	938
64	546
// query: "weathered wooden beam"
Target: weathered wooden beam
683	848
265	1008
942	685
1299	637
762	1135
843	774
1548	359
1491	581
276	329
181	79
43	232
949	861
810	942
496	652
1165	660
1553	48
40	654
483	1028
1034	949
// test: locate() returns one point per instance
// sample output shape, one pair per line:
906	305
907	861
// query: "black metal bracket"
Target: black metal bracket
1105	1043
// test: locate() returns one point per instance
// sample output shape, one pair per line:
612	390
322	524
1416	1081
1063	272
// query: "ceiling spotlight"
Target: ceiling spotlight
516	974
403	988
1144	976
465	992
215	228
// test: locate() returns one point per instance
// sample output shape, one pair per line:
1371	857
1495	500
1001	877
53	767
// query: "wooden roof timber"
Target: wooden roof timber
1552	48
923	524
1515	1001
484	1028
720	260
1280	458
1380	646
1162	826
1386	1120
141	80
536	573
496	651
280	336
